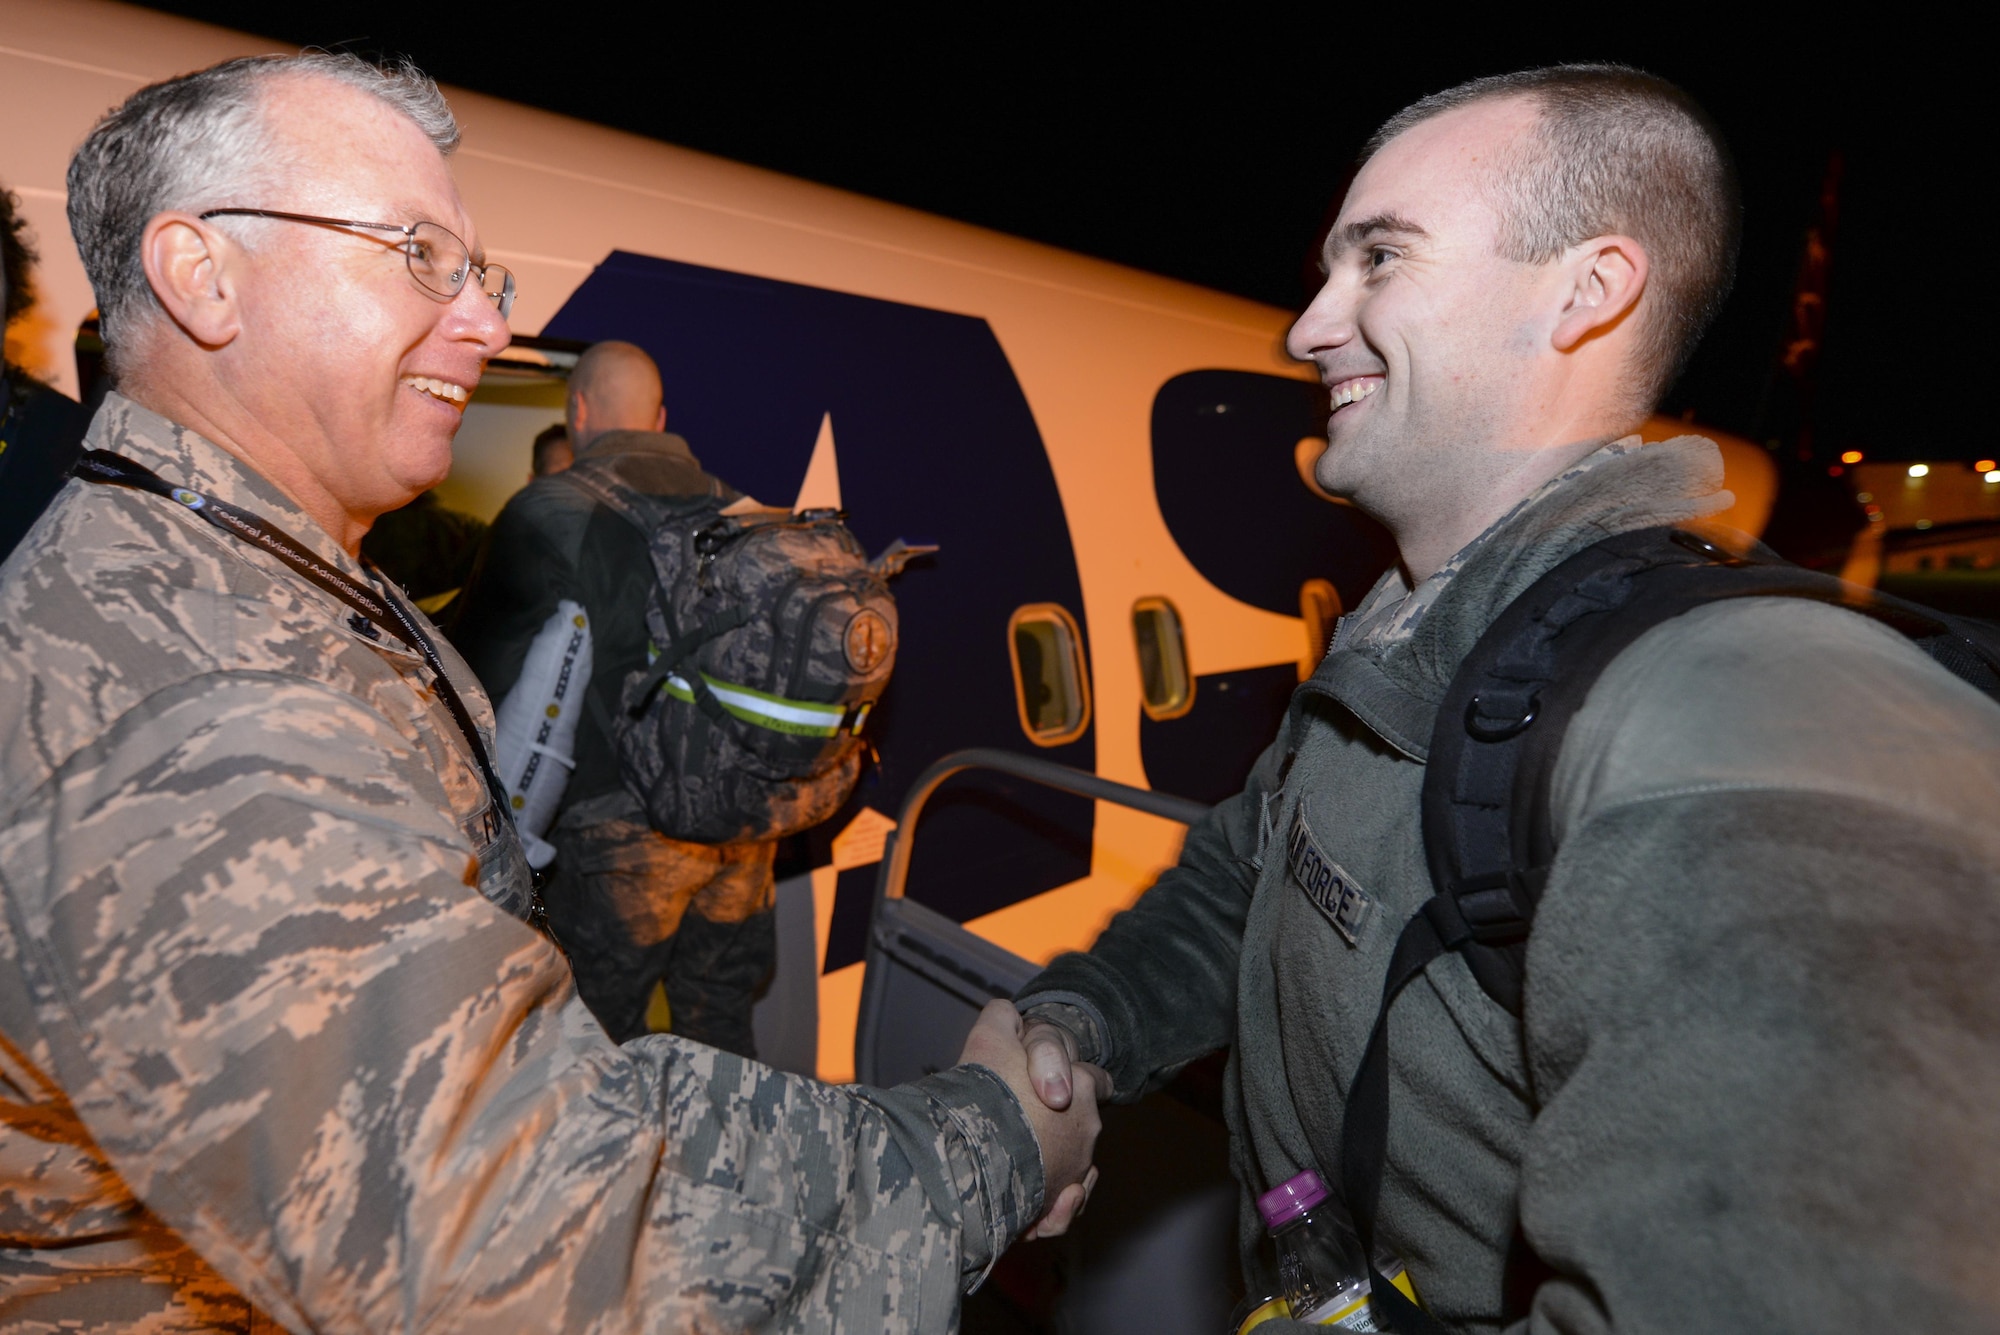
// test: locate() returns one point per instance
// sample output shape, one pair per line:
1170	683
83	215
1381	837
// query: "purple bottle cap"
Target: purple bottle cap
1281	1205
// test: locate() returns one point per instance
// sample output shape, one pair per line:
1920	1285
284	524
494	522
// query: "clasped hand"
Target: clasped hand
1059	1095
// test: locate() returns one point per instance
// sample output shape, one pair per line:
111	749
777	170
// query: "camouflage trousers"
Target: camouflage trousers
634	908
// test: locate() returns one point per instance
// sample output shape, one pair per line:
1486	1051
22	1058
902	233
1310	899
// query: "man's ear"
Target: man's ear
1607	276
576	414
660	419
186	263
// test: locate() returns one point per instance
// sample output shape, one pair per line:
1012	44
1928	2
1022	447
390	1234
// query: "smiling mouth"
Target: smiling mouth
1354	389
444	391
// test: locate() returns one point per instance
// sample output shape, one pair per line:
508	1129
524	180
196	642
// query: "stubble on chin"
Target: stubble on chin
1346	466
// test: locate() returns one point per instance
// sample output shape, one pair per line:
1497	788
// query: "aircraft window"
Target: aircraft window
1319	606
1050	683
1165	688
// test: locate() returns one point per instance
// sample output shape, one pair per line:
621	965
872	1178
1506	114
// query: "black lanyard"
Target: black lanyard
7	405
381	608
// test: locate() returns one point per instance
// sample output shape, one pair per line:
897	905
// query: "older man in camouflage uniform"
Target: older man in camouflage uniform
274	1045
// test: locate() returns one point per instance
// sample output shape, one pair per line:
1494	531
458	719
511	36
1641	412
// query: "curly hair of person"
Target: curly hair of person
15	259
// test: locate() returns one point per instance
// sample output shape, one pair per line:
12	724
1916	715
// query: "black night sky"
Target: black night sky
1213	149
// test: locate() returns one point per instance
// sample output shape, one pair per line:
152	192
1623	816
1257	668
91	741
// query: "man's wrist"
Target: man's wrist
994	1159
1072	1014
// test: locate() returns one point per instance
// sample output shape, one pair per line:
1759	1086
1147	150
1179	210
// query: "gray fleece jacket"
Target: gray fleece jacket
1757	1084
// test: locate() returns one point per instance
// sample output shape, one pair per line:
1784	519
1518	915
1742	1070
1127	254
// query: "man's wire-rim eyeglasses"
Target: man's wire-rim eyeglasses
438	260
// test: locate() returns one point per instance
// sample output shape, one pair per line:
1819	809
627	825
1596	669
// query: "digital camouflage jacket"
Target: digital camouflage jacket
267	1055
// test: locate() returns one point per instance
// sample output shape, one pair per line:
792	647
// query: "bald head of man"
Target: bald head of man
615	387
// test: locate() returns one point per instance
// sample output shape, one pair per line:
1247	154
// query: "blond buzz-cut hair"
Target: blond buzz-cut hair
1615	151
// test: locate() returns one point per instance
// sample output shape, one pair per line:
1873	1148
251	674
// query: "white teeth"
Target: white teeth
1354	391
440	389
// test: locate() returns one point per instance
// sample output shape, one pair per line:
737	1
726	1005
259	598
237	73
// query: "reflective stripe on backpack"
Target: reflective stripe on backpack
800	718
788	601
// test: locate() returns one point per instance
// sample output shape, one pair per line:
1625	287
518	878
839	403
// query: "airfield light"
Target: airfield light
1993	475
1985	466
1851	457
1920	470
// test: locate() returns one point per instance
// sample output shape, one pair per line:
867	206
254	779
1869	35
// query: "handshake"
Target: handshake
1059	1095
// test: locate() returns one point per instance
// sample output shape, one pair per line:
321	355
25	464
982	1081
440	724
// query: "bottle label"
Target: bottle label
1271	1309
1350	1311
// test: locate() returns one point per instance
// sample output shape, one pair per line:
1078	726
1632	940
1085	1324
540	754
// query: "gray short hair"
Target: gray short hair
199	142
1621	151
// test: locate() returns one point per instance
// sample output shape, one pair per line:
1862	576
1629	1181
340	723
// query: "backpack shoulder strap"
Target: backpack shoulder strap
647	514
1488	782
620	500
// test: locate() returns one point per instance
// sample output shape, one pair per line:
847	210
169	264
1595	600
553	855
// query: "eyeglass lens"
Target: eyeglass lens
440	262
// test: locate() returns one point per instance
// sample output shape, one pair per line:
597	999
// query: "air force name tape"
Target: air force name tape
1332	891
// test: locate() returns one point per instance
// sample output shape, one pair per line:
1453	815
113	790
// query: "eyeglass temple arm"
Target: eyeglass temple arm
405	228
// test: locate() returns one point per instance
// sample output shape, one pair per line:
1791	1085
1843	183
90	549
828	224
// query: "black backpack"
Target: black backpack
771	638
1492	762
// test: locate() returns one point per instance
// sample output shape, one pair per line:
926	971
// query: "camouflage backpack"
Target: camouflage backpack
771	638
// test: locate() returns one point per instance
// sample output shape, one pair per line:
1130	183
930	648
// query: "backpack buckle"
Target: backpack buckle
1702	547
1486	726
1499	907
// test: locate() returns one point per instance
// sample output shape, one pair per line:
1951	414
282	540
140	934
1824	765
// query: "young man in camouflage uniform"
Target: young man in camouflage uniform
633	908
275	1045
1755	1084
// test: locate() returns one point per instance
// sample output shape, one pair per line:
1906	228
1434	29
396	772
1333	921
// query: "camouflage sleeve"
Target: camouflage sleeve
255	968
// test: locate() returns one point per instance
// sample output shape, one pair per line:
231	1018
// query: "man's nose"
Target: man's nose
1326	323
475	317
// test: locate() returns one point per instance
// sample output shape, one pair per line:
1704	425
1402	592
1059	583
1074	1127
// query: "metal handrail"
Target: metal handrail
1082	783
886	920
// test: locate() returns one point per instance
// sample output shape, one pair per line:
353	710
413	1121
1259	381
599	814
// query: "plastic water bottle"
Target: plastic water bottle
1320	1268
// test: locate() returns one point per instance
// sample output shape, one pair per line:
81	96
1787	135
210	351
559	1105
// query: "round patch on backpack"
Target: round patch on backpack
868	641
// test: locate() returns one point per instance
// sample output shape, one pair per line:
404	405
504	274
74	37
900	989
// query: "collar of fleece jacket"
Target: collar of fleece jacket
1392	669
